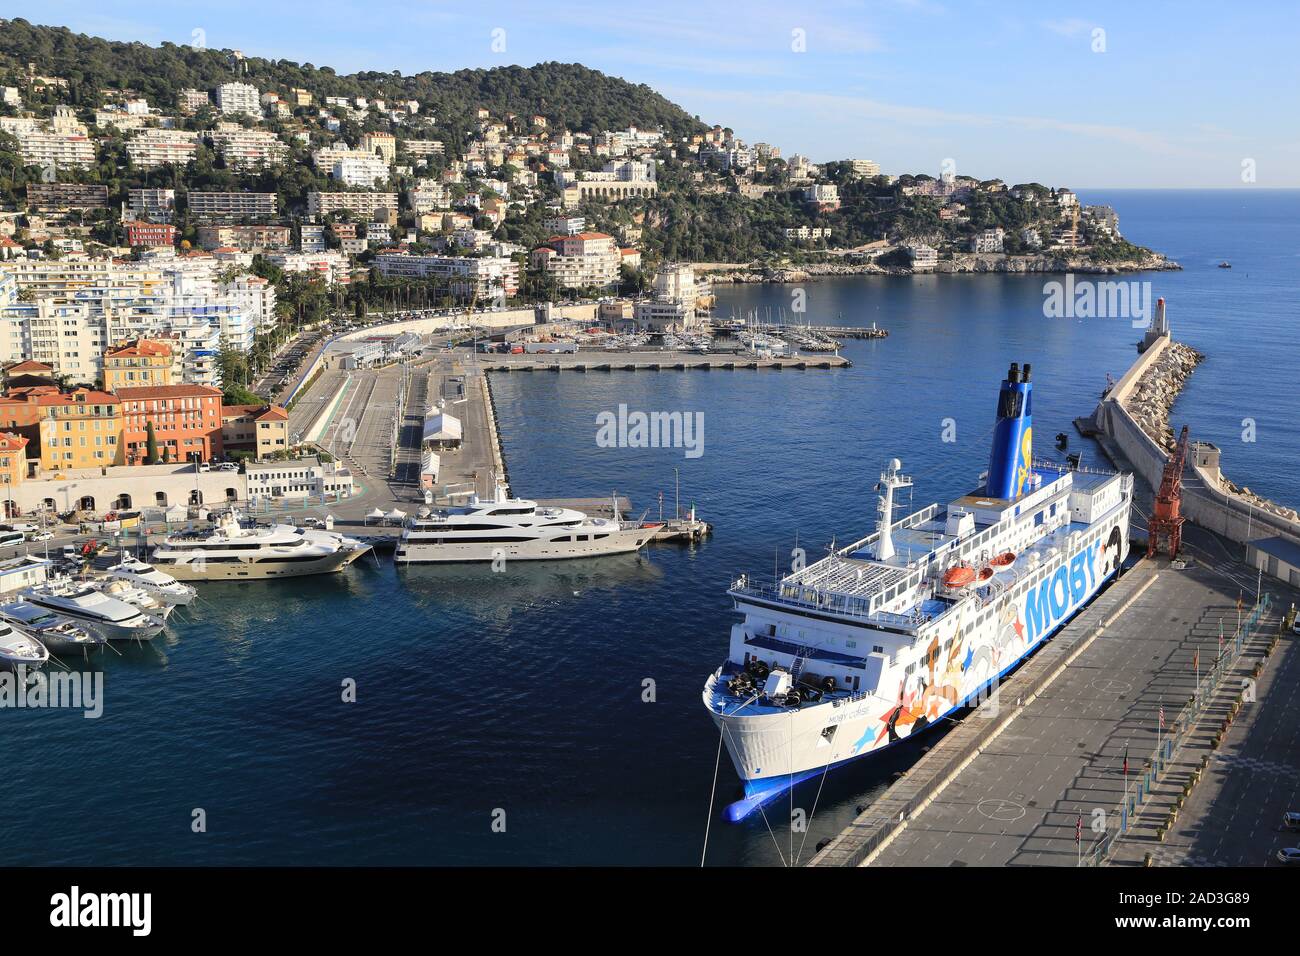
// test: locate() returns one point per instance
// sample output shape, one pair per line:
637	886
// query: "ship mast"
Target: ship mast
890	479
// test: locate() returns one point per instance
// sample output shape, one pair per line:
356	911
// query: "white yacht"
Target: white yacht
81	601
18	649
231	551
515	529
128	593
149	579
58	633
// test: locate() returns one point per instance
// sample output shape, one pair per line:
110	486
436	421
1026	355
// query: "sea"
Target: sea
551	714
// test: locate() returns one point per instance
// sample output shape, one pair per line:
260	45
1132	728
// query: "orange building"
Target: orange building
78	429
13	467
136	363
186	421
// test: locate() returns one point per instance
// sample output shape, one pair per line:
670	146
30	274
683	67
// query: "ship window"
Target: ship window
1038	519
877	649
771	630
850	643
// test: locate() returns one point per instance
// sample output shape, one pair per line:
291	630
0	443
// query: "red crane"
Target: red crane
1166	518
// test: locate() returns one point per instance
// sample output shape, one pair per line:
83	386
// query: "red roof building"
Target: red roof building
186	422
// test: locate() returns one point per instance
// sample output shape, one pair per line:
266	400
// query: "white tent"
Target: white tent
375	515
395	516
442	429
176	514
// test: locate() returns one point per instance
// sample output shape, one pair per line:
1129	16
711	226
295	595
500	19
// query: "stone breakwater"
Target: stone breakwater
1154	395
961	263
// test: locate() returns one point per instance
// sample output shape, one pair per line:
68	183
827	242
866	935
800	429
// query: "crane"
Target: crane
1166	519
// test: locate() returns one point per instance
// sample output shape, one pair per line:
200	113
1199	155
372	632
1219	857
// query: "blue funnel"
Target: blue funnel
1012	454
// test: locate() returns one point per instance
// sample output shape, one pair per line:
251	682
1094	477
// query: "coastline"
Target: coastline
960	264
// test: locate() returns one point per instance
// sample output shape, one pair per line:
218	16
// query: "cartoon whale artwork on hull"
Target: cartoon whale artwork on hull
891	634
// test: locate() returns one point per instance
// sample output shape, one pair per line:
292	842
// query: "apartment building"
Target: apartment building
186	422
210	207
152	205
865	168
248	148
423	148
426	196
579	261
151	148
260	429
191	100
79	429
137	362
56	150
360	203
360	170
246	237
823	195
465	276
987	240
924	257
151	234
239	98
383	145
64	197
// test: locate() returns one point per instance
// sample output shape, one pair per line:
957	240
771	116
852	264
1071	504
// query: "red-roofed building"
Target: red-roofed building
13	466
186	421
583	260
136	363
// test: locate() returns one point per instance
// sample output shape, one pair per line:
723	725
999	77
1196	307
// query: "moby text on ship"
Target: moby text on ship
887	636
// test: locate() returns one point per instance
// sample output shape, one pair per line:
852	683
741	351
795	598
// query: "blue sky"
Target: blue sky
1182	95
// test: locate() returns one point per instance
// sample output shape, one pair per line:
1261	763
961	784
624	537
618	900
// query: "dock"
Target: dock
668	361
1009	785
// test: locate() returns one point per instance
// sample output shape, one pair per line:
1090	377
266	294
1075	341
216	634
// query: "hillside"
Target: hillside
567	94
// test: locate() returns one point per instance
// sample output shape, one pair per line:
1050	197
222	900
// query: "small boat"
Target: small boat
115	620
58	633
149	579
1003	561
959	576
135	596
18	649
1225	264
986	574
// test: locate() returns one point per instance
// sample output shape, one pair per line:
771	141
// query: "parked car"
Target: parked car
1291	820
227	466
23	526
204	466
312	523
42	536
1289	855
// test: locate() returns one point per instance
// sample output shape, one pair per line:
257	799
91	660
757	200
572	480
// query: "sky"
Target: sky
1141	94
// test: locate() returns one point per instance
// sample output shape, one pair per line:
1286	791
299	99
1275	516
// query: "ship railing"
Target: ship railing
846	605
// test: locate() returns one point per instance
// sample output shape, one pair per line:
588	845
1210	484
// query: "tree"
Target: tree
150	445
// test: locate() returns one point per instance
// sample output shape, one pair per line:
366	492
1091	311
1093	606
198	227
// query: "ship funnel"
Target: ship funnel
1012	454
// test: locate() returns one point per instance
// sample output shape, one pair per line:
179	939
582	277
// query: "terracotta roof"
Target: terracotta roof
11	442
28	365
82	396
259	412
165	391
138	347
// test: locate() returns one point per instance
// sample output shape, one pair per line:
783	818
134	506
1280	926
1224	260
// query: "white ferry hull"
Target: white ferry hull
773	751
622	541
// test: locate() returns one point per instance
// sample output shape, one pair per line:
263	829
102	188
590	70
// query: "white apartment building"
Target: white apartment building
57	150
191	100
924	257
565	225
248	148
466	276
331	266
152	205
865	168
822	194
987	240
422	148
157	147
360	170
579	261
239	98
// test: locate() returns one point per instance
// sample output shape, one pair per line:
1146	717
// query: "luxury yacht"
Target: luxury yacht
149	579
81	601
136	596
18	649
230	551
58	633
514	529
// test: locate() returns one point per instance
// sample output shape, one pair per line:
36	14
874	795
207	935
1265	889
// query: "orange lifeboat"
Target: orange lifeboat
986	572
958	576
1003	561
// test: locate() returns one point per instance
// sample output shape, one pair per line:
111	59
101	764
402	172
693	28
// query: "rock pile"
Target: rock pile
1151	400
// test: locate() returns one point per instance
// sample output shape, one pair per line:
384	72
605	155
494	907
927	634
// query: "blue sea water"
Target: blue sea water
521	697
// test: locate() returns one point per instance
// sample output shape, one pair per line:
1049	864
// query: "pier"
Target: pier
666	361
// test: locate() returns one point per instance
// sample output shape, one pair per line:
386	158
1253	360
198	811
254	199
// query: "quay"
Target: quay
832	331
666	361
371	420
1009	785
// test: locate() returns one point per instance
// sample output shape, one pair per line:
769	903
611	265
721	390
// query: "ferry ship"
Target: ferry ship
883	638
